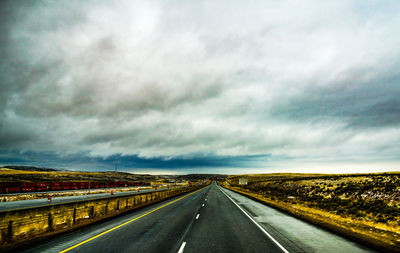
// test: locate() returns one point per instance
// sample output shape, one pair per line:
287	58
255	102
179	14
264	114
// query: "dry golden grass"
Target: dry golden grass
15	175
6	171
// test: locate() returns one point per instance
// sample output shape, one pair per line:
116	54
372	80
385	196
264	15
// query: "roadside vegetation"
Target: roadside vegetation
365	207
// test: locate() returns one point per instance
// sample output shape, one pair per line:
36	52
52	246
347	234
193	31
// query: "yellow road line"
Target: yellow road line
123	224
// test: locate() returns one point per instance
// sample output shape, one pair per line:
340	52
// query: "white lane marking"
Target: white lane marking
262	229
203	205
182	247
197	216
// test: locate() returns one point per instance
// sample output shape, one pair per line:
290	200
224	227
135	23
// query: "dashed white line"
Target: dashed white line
197	216
262	229
182	247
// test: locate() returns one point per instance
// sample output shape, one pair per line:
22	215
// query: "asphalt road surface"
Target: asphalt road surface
211	219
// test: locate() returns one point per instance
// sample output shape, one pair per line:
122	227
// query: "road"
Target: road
22	204
211	219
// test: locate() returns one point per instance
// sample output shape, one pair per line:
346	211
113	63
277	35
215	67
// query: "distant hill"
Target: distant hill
29	168
201	176
11	173
36	174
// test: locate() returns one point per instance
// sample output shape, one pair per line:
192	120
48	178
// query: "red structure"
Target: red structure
56	186
28	187
17	187
41	187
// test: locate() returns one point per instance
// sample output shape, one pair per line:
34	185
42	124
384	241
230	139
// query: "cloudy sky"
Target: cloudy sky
201	86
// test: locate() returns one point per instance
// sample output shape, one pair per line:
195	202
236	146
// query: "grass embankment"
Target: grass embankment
365	208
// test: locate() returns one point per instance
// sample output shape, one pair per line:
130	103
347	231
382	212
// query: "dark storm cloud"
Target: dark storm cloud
130	162
363	105
152	82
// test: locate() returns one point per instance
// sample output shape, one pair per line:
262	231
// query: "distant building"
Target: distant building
242	181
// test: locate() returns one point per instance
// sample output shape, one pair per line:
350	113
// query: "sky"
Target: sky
178	87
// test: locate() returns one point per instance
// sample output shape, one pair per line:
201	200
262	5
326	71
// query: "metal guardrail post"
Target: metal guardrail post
50	222
10	230
74	217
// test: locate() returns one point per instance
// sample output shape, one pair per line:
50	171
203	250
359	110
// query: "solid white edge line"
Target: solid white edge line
182	247
197	216
258	225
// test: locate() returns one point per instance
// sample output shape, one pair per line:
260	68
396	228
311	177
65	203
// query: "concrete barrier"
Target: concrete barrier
25	224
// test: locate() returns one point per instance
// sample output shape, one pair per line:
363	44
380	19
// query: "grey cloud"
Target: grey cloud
12	135
154	79
360	105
